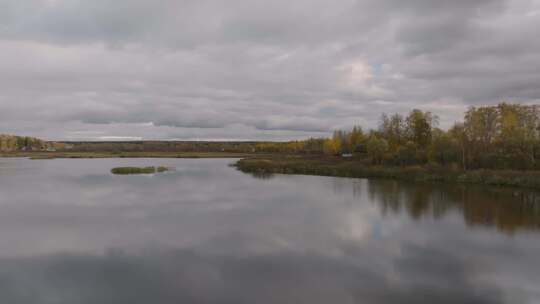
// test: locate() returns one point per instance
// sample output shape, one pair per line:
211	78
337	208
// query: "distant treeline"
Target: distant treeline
159	146
10	143
506	136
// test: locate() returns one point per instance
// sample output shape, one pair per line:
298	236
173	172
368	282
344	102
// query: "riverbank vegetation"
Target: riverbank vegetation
502	137
10	143
495	145
357	168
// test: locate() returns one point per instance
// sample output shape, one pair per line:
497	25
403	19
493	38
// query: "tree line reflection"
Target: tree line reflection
508	210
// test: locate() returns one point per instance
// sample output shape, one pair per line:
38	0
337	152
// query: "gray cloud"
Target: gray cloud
281	69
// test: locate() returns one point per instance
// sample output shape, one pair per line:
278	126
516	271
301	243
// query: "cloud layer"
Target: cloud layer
253	69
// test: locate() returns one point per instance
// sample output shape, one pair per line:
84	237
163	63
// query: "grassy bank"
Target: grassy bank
53	155
335	166
138	170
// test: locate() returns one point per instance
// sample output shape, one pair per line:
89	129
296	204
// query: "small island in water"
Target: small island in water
138	170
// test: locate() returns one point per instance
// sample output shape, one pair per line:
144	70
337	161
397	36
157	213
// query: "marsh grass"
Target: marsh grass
325	166
138	170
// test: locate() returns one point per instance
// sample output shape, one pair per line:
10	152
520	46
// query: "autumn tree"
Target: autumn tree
355	138
376	147
407	153
518	134
444	149
393	129
419	125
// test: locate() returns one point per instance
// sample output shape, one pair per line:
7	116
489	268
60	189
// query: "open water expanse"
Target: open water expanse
73	233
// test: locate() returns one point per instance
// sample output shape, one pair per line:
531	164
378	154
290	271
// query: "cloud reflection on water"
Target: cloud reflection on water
72	233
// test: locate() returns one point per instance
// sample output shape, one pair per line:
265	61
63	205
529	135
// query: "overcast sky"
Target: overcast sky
256	69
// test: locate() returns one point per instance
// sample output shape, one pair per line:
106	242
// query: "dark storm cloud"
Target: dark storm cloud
307	66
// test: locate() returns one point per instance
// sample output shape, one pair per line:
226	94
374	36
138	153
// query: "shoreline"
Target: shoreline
264	164
338	167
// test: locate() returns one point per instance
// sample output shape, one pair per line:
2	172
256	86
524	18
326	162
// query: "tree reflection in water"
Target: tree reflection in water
506	209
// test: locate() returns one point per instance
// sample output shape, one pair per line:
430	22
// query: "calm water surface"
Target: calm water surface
72	233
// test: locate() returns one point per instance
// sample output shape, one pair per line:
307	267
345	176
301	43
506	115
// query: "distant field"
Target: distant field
52	155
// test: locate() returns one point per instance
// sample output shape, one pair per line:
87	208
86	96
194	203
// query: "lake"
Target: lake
73	233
